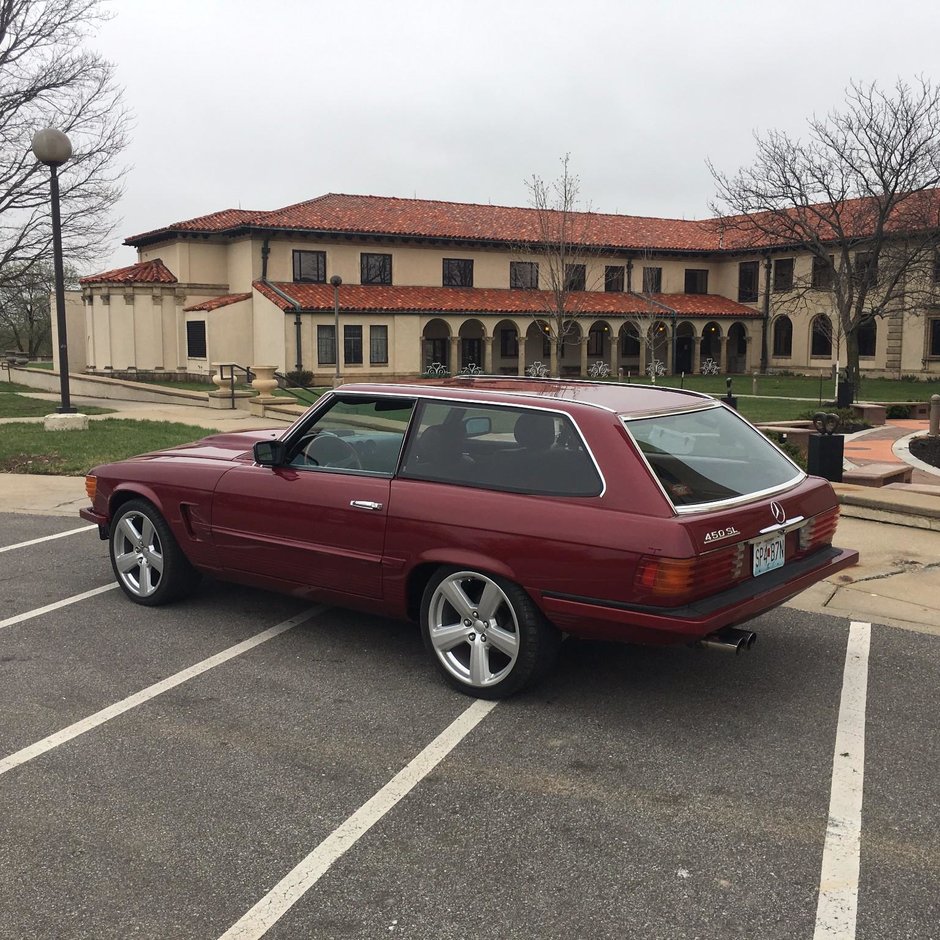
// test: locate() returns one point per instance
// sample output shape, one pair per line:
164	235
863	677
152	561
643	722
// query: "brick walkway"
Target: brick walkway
875	447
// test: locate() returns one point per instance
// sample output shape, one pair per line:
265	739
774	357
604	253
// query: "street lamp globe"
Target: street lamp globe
51	146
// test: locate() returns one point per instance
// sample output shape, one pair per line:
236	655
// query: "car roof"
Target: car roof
616	397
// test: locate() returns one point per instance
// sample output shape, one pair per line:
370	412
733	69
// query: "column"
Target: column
723	365
696	353
613	354
488	355
584	359
453	363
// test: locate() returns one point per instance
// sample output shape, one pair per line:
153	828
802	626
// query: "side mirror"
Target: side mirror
477	427
270	453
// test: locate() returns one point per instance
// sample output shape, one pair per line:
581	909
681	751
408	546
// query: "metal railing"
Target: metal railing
230	377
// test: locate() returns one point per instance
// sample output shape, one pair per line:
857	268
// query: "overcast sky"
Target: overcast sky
265	103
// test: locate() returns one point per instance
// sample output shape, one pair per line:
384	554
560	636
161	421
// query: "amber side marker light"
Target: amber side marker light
91	486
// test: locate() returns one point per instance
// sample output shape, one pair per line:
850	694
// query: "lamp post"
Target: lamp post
53	148
336	280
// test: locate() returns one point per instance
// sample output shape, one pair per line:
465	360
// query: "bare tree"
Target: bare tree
859	195
47	79
25	322
562	247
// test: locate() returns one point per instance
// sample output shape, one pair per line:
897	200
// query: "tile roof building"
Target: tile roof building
452	286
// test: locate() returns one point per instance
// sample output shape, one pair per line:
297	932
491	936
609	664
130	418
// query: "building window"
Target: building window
614	277
653	280
783	275
822	273
326	346
696	281
575	276
821	336
596	341
508	344
783	338
436	351
378	345
375	269
933	338
352	345
867	336
457	272
196	339
748	272
866	268
936	267
524	275
310	267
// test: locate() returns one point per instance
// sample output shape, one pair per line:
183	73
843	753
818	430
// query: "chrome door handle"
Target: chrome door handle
364	504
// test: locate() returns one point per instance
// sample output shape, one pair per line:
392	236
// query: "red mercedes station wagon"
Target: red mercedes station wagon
500	513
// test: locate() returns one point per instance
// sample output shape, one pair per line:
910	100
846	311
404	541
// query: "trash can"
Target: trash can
824	457
845	394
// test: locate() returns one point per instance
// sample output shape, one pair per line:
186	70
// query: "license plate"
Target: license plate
769	554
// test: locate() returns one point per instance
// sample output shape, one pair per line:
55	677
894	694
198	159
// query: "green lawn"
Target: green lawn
41	365
21	406
27	448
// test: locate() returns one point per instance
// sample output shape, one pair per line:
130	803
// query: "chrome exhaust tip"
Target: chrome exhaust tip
731	640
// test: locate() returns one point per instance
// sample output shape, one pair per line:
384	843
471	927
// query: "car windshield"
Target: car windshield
710	455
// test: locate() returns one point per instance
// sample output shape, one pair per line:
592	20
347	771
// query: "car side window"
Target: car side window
356	433
513	449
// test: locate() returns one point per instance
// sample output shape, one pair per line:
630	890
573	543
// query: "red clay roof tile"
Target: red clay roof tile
217	302
144	272
375	298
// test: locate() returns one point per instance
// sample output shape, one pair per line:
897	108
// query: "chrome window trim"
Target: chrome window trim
801	475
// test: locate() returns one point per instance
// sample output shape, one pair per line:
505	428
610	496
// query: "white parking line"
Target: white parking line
47	538
152	691
39	611
306	873
838	882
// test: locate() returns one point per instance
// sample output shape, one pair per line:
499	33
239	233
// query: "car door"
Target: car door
320	518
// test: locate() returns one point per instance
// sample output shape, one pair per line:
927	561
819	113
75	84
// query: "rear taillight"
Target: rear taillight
819	530
679	580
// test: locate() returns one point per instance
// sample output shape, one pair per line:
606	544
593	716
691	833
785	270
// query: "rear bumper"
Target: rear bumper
584	616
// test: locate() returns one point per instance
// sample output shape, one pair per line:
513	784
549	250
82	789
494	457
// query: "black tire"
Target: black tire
148	563
484	633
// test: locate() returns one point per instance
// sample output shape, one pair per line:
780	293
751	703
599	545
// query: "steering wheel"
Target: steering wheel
328	450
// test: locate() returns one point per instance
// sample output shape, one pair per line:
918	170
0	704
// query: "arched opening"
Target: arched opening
783	338
659	341
629	348
821	337
867	336
470	347
505	348
710	348
538	345
685	343
737	348
435	346
569	351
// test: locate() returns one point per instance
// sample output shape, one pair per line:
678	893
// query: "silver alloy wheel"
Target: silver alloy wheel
138	554
473	629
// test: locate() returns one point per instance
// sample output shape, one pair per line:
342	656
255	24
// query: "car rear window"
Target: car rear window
709	456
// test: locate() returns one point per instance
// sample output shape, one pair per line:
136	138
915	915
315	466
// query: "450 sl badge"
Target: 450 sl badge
721	534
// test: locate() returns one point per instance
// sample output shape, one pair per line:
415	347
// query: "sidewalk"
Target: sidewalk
896	531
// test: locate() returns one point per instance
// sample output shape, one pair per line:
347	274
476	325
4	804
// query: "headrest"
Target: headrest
536	431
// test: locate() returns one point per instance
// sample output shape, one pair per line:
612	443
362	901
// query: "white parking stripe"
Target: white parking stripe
304	875
838	882
152	691
39	611
47	538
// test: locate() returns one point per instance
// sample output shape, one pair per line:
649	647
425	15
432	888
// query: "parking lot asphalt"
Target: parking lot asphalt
636	792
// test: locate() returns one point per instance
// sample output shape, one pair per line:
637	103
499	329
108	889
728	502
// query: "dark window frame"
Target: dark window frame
782	338
695	280
508	343
933	338
822	275
375	267
302	257
820	337
652	280
783	275
575	277
457	272
866	268
867	340
352	344
595	343
196	339
524	275
378	344
615	278
748	282
326	344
